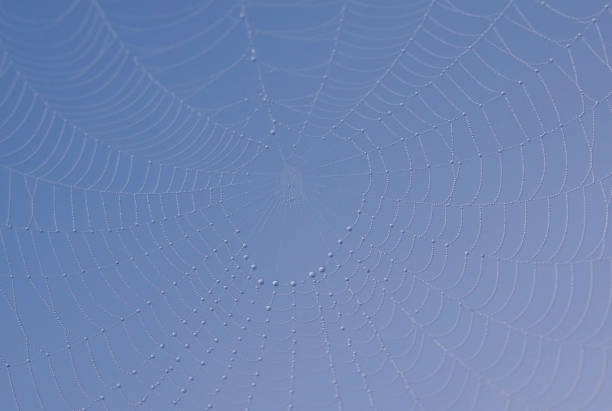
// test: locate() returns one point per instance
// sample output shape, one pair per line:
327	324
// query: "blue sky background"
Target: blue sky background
307	205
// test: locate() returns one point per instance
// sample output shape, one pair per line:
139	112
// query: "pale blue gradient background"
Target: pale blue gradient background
172	171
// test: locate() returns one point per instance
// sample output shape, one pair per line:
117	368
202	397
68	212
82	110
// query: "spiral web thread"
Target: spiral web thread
472	271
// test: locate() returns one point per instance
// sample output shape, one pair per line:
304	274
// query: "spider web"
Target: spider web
305	204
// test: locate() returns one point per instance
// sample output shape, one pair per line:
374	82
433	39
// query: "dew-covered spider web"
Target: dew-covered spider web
305	205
